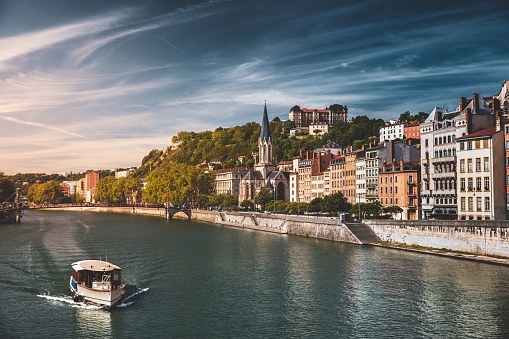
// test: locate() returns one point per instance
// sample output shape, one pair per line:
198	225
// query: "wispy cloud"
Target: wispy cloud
38	124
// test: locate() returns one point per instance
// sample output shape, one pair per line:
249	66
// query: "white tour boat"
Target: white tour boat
97	282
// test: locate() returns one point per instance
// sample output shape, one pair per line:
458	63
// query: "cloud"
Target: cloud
37	124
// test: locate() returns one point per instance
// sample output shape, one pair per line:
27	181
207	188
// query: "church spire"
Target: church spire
265	132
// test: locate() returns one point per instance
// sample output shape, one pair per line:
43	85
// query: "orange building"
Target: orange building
412	131
399	186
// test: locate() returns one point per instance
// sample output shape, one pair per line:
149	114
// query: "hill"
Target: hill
226	145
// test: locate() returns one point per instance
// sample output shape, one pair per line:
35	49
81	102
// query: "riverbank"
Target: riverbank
470	240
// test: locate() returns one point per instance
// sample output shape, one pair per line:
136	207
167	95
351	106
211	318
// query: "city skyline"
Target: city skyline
97	85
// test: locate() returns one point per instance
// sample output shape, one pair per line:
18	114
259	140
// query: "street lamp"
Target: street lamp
166	204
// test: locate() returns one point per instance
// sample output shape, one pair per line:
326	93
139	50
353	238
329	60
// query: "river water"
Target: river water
192	279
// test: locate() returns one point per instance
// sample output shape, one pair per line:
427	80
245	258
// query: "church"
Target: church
265	173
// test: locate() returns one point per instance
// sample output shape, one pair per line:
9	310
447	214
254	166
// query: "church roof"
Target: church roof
252	175
265	132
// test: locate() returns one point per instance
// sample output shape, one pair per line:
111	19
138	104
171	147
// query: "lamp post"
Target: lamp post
166	205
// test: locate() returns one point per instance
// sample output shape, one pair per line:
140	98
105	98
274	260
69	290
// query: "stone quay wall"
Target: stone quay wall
488	237
321	228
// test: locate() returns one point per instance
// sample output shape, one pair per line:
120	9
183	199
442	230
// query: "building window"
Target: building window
462	184
470	184
479	183
463	203
426	142
486	163
479	204
487	203
469	165
462	165
470	203
469	145
486	183
478	164
462	146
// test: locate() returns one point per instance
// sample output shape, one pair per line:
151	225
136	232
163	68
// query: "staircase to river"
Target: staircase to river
363	232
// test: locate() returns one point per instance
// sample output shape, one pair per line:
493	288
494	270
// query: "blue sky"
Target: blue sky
98	84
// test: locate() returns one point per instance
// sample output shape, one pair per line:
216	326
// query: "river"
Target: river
193	279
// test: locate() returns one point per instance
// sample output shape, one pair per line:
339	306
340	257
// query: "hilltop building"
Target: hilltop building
335	114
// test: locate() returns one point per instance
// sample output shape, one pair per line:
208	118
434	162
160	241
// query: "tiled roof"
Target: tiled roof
234	169
481	133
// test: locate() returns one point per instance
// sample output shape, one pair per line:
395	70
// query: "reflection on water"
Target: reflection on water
93	323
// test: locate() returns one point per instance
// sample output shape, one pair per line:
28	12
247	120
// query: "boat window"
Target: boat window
116	275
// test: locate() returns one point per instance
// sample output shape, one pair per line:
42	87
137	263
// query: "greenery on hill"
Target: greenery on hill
226	145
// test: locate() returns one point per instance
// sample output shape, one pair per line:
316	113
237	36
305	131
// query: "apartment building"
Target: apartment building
360	180
399	186
439	134
228	180
481	167
372	168
392	131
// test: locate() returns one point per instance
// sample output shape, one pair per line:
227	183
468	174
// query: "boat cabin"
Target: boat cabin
97	275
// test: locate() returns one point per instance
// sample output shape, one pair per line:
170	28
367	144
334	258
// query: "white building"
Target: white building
481	167
73	186
438	154
318	128
124	174
392	132
360	180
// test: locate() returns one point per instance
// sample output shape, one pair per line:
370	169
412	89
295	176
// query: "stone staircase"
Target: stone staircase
362	232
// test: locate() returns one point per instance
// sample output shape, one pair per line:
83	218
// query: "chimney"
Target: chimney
463	103
496	105
384	165
393	164
476	103
401	165
468	118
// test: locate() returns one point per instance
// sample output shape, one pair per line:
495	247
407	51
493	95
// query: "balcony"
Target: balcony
411	183
371	194
426	192
443	159
445	192
372	186
425	162
412	194
443	175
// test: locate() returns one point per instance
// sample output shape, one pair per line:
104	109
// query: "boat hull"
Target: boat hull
105	298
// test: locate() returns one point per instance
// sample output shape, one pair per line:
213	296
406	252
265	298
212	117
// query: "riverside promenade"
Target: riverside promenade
486	241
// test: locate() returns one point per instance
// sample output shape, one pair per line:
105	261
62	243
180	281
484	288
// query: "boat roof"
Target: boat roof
94	265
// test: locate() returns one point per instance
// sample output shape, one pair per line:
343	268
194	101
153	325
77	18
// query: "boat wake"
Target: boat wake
83	305
126	302
68	300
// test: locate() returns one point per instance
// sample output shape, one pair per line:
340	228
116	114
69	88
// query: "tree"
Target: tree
202	200
392	210
263	197
288	125
7	188
296	207
247	205
315	205
335	203
231	200
48	192
184	183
